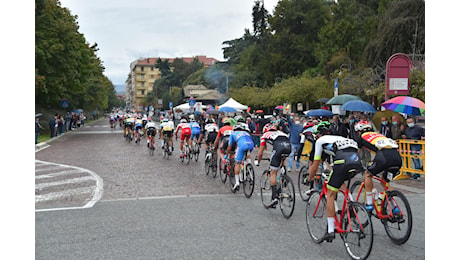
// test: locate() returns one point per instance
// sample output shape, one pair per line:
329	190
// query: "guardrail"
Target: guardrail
413	157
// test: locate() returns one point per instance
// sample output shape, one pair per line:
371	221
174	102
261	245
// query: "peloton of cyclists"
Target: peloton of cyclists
281	146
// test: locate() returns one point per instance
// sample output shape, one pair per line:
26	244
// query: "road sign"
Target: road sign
170	105
191	101
64	103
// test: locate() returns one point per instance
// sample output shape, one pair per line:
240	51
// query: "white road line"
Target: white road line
54	174
63	194
99	132
45	168
96	191
70	181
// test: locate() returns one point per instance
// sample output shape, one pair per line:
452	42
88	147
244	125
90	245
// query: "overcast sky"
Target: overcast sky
127	30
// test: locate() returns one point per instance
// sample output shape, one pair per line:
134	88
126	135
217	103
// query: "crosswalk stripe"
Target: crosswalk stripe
70	181
55	174
63	194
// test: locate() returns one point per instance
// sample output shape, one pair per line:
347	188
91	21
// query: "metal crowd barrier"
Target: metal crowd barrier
411	151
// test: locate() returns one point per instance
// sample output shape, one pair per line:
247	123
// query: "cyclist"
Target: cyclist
138	126
112	121
386	156
151	131
210	133
129	125
345	157
166	130
144	120
281	146
185	134
196	129
241	137
223	134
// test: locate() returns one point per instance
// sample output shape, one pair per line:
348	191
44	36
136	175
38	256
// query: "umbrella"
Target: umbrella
322	100
359	106
77	111
260	111
319	112
227	109
279	107
178	110
232	121
197	113
38	115
342	99
406	105
388	114
213	112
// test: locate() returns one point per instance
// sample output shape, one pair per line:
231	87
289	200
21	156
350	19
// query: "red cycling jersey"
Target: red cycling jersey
186	131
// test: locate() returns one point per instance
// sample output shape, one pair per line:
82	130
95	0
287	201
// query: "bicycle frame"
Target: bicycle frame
378	208
345	208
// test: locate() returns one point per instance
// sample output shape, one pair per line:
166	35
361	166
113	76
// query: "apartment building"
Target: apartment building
143	74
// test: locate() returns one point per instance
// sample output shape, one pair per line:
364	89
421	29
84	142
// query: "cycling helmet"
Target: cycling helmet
241	127
226	121
239	119
191	117
322	128
183	120
363	126
210	121
165	119
269	127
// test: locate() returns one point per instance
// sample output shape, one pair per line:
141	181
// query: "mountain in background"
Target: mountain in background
120	89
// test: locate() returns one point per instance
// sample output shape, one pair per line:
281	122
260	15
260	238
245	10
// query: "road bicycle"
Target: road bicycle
166	150
128	136
285	186
186	156
304	186
137	136
246	175
150	144
391	207
195	149
210	162
352	222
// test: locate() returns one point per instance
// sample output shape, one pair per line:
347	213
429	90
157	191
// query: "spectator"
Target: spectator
252	128
37	129
68	119
338	128
397	128
385	127
296	129
53	126
60	121
414	132
351	127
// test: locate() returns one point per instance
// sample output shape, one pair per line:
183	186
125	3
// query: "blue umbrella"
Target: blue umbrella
358	106
319	112
227	109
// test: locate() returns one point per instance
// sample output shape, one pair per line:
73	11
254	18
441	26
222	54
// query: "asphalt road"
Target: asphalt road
153	208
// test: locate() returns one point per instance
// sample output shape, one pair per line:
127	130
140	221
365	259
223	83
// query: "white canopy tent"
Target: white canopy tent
234	104
184	107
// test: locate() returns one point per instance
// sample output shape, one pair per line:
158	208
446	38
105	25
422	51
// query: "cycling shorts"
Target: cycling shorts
196	132
185	133
211	137
224	144
344	161
280	148
129	125
151	131
167	133
138	127
385	159
241	150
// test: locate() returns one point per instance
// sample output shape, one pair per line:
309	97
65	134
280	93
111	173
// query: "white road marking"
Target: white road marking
96	191
70	181
55	174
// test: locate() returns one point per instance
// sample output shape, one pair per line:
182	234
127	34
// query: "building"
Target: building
202	94
143	74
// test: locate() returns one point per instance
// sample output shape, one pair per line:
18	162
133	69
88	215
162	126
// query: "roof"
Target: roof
200	92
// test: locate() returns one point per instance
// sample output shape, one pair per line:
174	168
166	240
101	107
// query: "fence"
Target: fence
413	157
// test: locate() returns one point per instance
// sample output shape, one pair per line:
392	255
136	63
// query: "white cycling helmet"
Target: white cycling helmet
363	126
241	127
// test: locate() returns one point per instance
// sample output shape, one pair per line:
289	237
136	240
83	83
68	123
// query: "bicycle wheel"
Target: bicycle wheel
222	171
316	216
265	189
248	183
358	192
214	165
188	155
207	164
399	224
287	196
197	152
150	147
359	235
301	183
231	176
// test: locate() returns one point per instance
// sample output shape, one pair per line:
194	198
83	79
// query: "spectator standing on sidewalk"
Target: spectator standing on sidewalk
338	128
60	121
68	119
385	127
53	126
414	132
397	128
296	129
37	129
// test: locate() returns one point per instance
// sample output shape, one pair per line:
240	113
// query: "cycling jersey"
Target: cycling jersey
151	128
376	141
186	131
167	126
243	141
222	135
210	131
281	147
196	129
138	124
345	157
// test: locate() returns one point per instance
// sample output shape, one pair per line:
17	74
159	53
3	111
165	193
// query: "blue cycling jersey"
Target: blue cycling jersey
244	143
